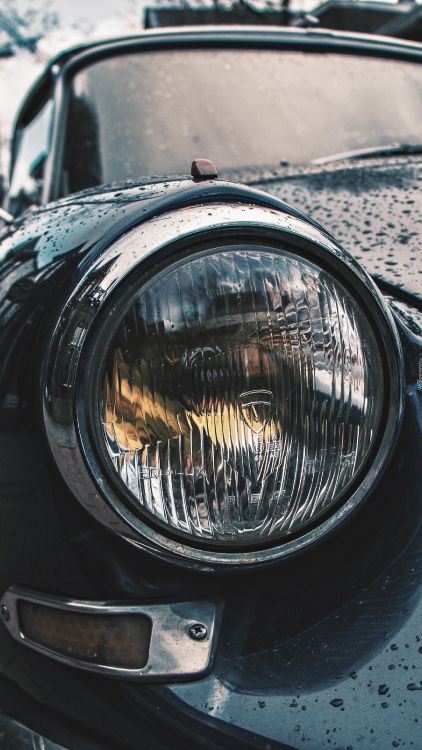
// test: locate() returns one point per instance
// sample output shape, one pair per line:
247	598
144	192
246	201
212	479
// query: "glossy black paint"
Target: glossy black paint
373	207
319	628
287	631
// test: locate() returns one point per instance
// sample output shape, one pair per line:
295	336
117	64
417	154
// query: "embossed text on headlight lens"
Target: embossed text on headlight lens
240	396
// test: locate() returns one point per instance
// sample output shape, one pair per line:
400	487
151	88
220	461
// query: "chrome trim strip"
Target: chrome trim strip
174	654
99	276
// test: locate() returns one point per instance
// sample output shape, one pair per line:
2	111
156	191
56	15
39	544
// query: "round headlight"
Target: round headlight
239	395
225	392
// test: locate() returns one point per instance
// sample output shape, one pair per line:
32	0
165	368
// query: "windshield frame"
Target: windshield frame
282	39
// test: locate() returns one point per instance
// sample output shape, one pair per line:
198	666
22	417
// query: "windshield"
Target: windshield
148	113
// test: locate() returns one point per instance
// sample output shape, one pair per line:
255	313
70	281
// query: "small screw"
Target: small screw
198	631
4	612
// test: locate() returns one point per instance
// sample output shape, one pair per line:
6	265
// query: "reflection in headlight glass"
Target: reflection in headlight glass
240	395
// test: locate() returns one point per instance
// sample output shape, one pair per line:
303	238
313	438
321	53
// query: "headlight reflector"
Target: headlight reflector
239	396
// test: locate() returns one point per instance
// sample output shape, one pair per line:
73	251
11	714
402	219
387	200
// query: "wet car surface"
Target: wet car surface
322	649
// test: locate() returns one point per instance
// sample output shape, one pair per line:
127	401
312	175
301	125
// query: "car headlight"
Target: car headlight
235	396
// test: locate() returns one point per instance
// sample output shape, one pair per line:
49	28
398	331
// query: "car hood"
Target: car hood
373	208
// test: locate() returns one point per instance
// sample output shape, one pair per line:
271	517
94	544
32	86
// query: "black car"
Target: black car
211	405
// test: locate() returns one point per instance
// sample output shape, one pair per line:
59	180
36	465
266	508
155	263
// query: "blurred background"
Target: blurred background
32	31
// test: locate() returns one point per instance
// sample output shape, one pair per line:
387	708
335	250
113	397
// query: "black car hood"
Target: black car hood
373	208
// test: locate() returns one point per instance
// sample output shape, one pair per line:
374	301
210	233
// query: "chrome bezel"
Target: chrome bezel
100	277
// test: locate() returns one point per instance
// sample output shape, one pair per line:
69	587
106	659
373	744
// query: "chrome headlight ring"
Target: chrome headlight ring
141	251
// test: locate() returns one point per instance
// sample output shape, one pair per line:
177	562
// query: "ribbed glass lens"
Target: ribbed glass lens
240	395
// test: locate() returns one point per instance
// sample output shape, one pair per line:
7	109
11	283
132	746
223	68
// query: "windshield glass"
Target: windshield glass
149	113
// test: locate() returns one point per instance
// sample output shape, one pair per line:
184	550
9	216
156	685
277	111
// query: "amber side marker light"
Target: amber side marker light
113	640
136	641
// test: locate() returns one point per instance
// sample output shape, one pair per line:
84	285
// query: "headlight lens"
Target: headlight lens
239	396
